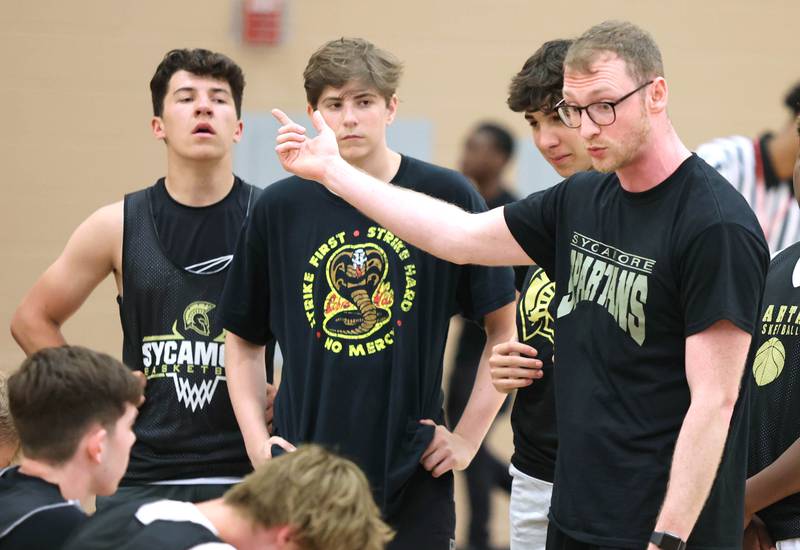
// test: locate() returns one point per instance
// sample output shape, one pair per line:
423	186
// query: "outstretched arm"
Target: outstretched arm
93	251
439	228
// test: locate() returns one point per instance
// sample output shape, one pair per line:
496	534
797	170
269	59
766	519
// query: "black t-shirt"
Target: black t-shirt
775	380
533	418
360	316
200	239
33	514
636	274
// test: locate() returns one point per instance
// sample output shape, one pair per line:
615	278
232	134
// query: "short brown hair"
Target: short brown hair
59	393
537	87
199	62
630	43
325	498
340	61
8	434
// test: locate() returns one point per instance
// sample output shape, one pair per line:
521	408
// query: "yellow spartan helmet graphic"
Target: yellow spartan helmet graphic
533	307
195	317
769	361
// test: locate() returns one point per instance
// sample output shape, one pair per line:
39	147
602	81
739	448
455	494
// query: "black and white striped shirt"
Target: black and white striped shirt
743	162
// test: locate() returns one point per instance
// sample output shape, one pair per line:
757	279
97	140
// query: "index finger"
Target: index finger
282	117
512	346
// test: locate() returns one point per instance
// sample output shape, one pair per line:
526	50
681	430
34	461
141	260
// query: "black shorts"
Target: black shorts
426	516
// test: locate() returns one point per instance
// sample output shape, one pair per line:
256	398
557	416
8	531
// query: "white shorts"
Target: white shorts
788	544
530	502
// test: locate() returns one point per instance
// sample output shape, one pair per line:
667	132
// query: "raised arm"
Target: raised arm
93	251
715	361
439	228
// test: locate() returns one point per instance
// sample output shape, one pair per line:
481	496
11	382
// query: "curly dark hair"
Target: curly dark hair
792	99
537	87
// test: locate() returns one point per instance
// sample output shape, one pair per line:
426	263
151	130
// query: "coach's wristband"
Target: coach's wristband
667	541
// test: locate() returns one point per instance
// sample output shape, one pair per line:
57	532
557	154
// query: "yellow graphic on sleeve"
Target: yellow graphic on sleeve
195	317
769	361
534	308
360	298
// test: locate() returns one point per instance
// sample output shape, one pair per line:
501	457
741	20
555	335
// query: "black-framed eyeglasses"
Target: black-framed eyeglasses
602	113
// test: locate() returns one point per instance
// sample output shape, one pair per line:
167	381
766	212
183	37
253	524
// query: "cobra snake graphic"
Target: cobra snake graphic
355	275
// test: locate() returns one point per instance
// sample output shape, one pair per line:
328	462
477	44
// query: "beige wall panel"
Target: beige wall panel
76	104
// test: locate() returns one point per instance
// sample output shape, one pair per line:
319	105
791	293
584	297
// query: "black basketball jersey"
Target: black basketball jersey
33	514
186	427
775	377
123	528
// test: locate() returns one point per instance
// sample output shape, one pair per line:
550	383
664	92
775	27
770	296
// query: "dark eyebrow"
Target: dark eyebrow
193	89
357	95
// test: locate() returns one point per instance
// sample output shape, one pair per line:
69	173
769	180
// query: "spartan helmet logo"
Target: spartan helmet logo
534	308
195	317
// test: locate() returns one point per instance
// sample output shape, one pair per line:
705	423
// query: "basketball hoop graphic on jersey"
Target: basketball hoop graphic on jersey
193	360
195	395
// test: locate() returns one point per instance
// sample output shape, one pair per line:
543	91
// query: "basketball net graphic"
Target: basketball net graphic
195	395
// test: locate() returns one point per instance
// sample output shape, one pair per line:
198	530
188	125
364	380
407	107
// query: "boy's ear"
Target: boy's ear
157	125
93	443
391	105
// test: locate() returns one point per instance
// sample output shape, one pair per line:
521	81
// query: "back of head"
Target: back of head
60	393
351	59
324	498
792	99
537	87
9	440
501	138
630	43
199	62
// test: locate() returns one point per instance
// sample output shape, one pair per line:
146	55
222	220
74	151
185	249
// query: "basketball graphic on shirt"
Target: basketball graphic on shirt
534	308
359	302
769	361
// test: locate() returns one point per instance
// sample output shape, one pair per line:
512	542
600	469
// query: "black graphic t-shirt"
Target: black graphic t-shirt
774	375
636	274
533	417
186	427
360	316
